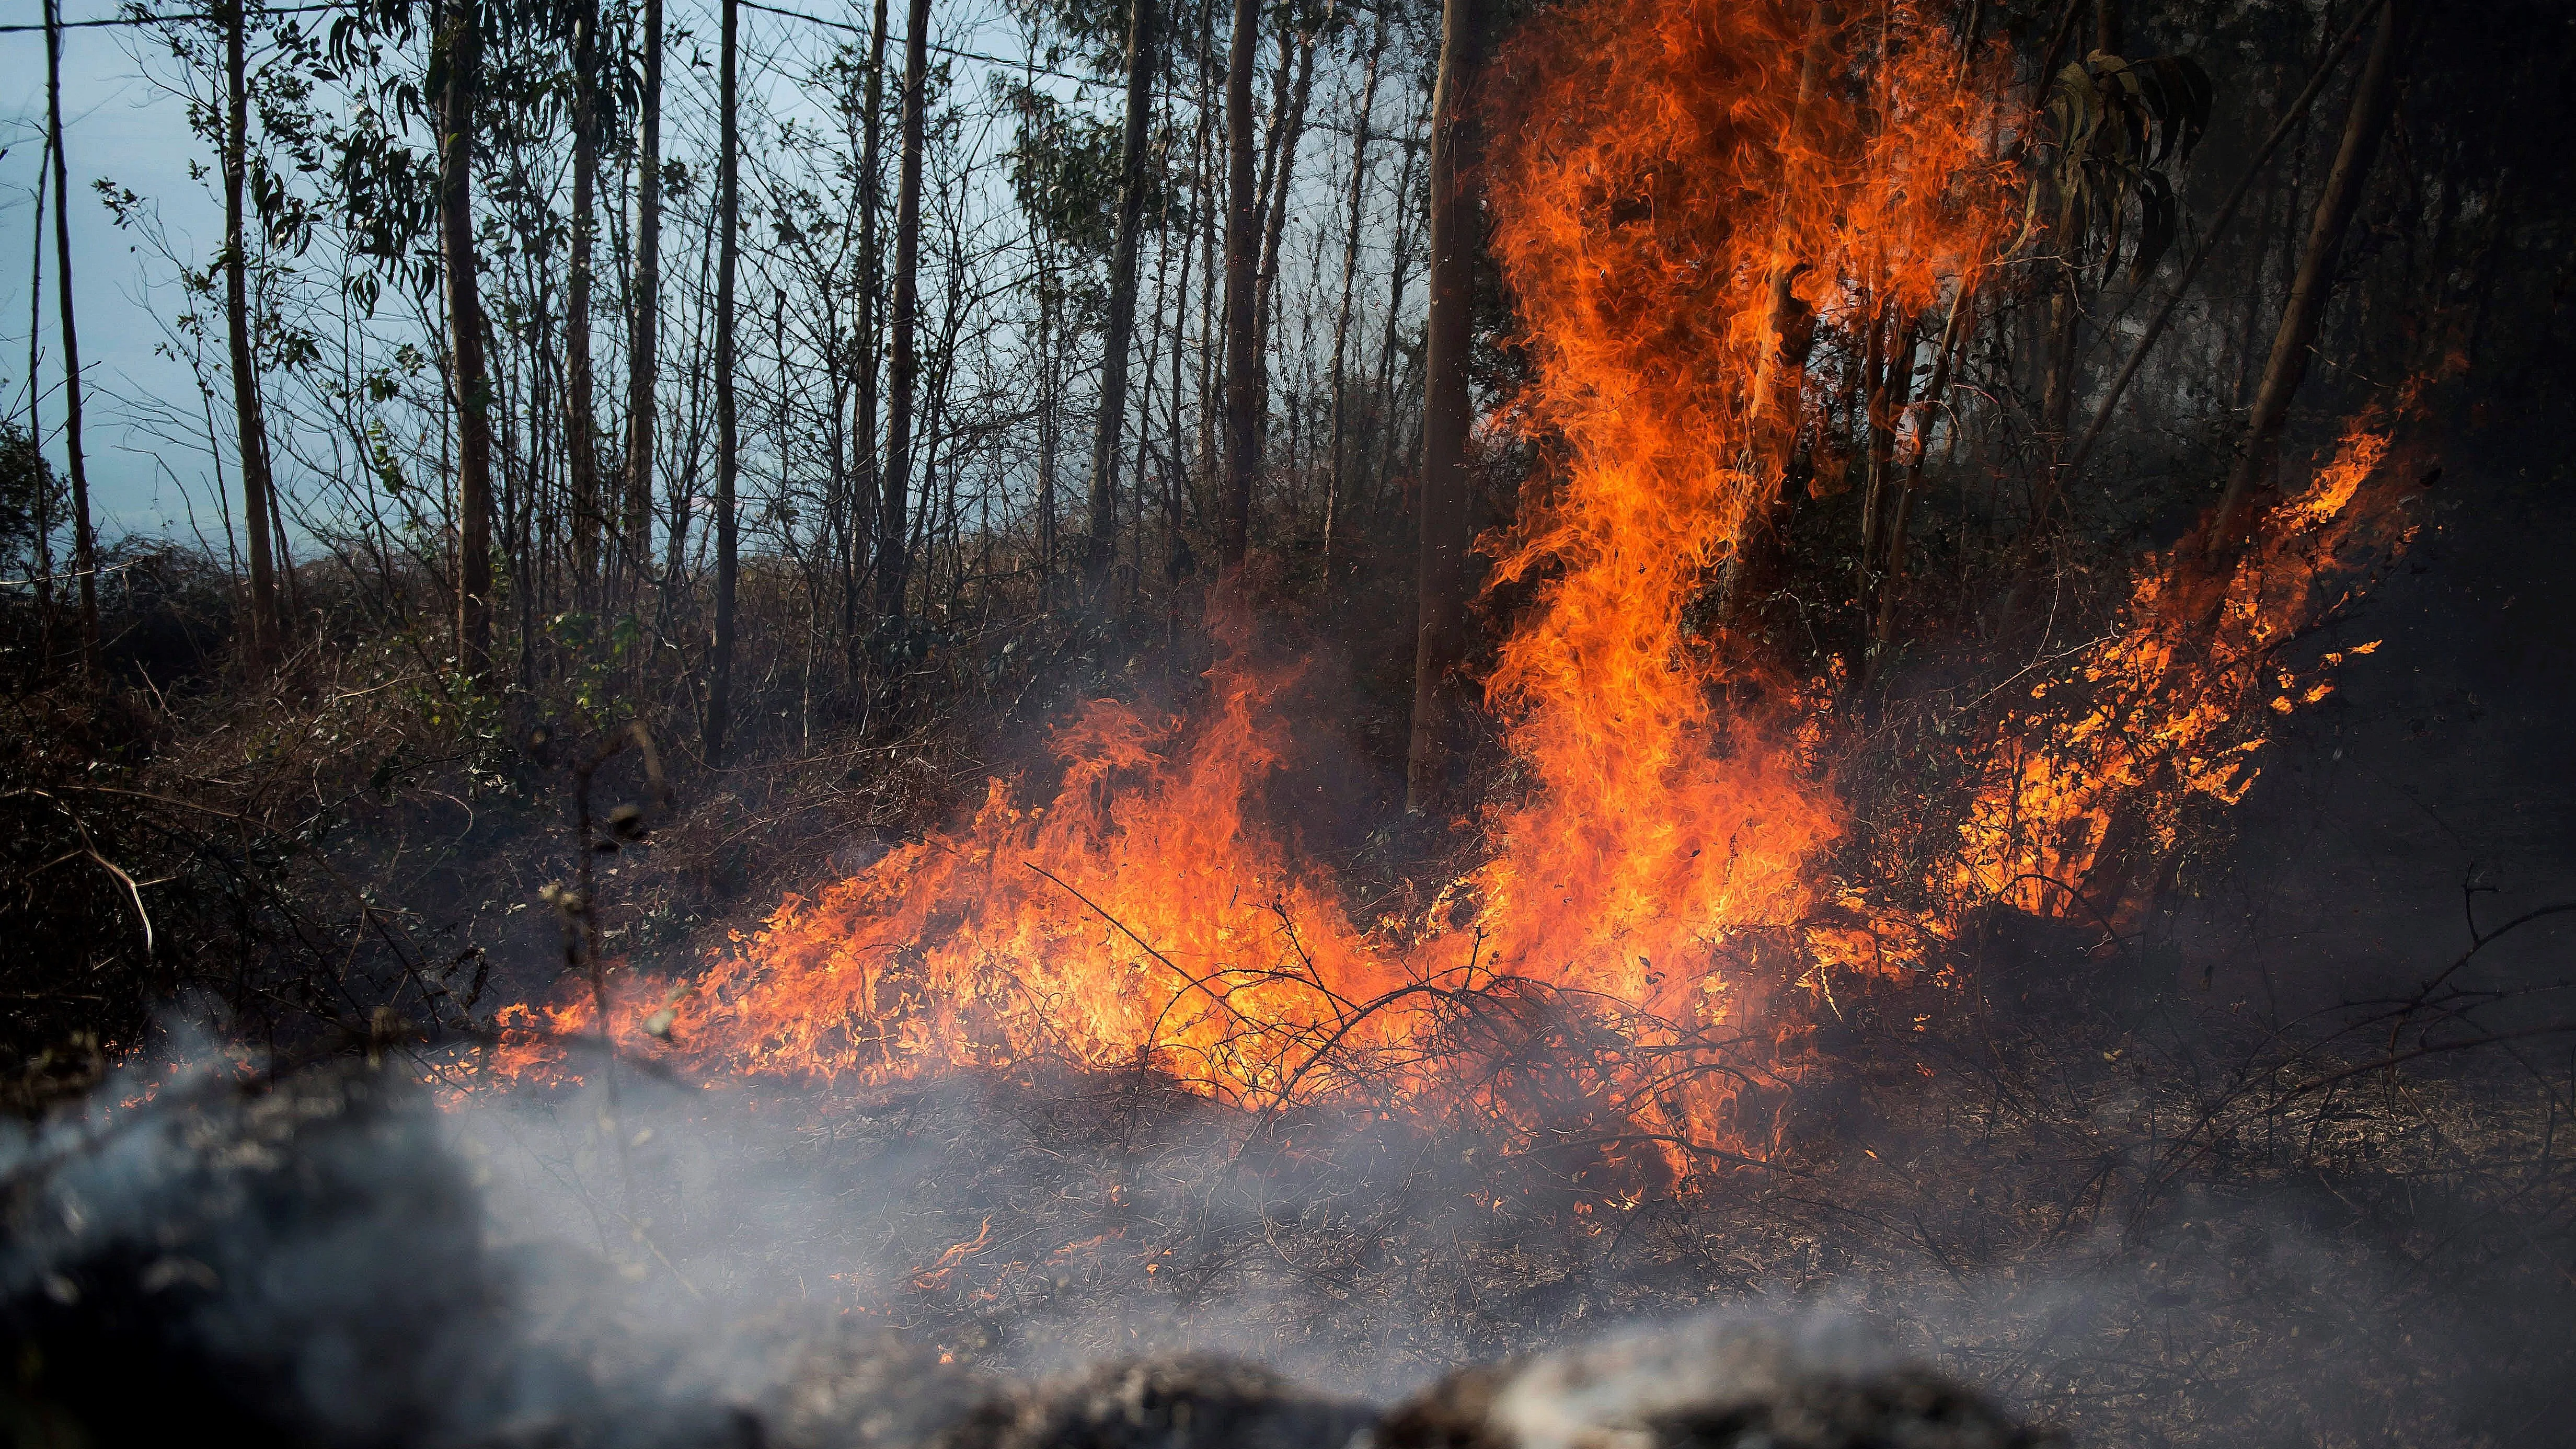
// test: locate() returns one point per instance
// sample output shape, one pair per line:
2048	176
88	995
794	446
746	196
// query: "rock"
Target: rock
1707	1384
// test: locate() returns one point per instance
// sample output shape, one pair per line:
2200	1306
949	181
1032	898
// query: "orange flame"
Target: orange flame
1664	863
2167	713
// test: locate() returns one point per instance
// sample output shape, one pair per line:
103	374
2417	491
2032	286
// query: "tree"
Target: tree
84	544
1101	547
871	287
31	498
1448	410
2373	99
643	349
250	430
728	421
1242	326
892	544
458	63
581	437
1337	462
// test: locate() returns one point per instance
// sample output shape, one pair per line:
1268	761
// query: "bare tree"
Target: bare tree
1242	327
892	542
728	421
643	348
1337	463
871	284
581	438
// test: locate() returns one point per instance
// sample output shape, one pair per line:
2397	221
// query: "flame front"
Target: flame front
1678	208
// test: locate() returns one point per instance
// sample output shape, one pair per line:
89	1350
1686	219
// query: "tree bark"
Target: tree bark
643	354
2374	97
1102	545
250	433
892	550
1446	528
1336	468
84	544
728	420
581	402
464	41
1242	240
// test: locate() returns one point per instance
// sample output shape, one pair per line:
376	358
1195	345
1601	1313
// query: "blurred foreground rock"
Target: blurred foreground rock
305	1262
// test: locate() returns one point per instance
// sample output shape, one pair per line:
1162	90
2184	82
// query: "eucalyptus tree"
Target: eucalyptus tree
84	544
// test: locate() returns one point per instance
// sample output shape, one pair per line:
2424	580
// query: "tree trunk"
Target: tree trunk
84	545
581	453
1290	124
644	346
892	544
1336	467
1102	545
250	433
2374	96
1242	237
464	41
44	513
1446	529
869	477
728	420
2210	236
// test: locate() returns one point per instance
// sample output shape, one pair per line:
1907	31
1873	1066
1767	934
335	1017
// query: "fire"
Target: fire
1615	972
2089	784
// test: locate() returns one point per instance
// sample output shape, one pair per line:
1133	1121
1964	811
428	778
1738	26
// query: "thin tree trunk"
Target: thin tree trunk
463	39
45	621
1446	529
728	421
1399	272
250	434
643	347
870	476
1102	546
2210	235
1242	348
1892	572
2374	97
581	405
1291	127
1336	467
84	545
892	543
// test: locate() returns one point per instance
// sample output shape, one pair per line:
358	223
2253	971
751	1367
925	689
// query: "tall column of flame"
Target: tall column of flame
1676	159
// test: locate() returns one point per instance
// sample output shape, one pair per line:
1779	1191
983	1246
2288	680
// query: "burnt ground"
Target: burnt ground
2238	1178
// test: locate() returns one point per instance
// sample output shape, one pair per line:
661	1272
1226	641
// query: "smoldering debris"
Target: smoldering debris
308	1261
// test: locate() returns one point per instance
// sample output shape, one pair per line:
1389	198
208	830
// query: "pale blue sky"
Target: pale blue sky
119	126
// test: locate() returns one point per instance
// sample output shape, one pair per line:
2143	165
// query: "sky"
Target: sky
121	126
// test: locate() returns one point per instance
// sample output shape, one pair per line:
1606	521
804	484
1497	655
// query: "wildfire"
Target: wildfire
1675	210
2089	783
